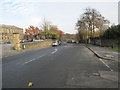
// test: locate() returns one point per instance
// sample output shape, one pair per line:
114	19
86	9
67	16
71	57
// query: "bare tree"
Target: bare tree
45	25
90	21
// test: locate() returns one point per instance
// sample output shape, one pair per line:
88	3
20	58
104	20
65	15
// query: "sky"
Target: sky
64	14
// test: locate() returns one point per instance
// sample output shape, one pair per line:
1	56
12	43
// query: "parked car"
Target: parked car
55	43
30	40
22	41
27	40
35	39
39	39
8	42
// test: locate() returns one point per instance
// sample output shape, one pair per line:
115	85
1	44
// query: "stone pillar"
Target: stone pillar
16	41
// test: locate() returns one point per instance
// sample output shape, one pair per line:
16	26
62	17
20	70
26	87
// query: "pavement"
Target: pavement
107	55
7	50
65	66
103	52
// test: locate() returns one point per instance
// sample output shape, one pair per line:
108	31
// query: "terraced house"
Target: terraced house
7	33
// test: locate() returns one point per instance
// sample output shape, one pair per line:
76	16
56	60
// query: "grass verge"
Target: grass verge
115	48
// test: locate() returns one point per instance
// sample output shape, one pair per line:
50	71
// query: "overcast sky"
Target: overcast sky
23	13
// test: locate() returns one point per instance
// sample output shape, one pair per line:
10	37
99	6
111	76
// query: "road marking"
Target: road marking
54	51
33	59
105	64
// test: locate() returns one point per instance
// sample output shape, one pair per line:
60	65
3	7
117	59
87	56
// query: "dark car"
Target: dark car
8	42
30	40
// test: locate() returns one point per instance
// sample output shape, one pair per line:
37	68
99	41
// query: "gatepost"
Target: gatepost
16	41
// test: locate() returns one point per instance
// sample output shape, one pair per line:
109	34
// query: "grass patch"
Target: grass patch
115	48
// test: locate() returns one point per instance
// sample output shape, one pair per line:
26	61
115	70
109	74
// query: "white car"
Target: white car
55	43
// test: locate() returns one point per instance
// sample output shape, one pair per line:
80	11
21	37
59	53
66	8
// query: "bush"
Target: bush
112	32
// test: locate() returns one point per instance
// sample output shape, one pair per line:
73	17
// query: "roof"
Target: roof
8	26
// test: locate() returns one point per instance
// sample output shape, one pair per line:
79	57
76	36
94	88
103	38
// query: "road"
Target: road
65	66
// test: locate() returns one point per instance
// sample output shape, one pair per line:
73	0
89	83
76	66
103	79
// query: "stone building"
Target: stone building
7	32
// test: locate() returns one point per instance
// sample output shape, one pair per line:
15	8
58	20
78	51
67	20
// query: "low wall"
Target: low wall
109	43
36	44
105	42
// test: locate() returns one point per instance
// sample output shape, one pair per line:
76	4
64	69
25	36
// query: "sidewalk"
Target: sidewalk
103	52
7	50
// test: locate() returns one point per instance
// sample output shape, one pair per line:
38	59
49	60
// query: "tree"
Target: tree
56	32
52	33
112	33
32	32
45	25
90	22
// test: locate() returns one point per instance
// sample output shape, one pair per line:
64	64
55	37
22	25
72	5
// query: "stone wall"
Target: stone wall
105	42
36	44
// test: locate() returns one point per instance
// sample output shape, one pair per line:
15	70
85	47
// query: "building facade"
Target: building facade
7	33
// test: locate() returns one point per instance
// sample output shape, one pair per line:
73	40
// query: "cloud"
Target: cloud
17	12
67	0
16	7
23	13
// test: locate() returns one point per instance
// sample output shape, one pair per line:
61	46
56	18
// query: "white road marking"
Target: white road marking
105	64
54	51
33	59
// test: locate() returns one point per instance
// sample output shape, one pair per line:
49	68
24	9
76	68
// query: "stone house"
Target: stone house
7	32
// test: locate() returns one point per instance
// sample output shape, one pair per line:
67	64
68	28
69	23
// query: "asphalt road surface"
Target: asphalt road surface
65	66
